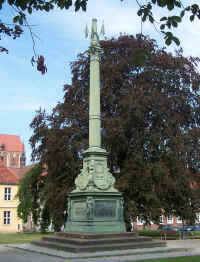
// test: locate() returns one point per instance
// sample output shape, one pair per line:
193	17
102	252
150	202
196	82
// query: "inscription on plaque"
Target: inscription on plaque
79	210
105	209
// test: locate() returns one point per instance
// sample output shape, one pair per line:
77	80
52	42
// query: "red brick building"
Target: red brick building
12	151
12	168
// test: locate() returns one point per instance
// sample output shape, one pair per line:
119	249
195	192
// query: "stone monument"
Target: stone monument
95	206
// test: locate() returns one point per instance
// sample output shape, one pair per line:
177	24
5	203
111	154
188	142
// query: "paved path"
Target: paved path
16	255
187	243
30	253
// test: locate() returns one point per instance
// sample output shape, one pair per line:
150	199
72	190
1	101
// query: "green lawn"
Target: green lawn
19	237
174	259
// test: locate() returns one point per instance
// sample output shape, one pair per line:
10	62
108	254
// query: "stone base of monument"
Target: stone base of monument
79	243
95	212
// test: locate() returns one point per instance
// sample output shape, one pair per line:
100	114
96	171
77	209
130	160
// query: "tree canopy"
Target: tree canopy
29	194
22	8
150	128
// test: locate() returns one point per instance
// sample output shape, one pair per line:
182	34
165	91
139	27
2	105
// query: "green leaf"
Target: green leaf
84	5
162	3
182	13
15	19
20	20
170	5
139	13
30	10
144	18
192	18
177	18
46	8
163	18
176	40
162	27
169	34
195	6
177	3
23	4
149	6
168	41
153	1
151	19
68	4
174	24
77	5
168	24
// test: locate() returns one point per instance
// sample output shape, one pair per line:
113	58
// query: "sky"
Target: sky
59	37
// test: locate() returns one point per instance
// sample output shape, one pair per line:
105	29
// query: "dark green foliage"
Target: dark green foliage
29	194
51	145
145	11
150	128
45	219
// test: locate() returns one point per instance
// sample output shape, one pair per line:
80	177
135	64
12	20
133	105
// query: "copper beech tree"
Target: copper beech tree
150	127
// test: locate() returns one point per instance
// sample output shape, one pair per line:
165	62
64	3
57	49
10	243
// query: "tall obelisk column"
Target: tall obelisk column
95	205
94	101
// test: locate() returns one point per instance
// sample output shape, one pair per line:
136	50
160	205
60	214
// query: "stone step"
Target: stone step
96	236
80	241
96	248
113	255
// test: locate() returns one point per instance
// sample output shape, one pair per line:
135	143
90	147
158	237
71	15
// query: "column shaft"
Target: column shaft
94	103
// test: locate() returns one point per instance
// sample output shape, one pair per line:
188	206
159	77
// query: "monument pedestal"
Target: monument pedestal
95	206
95	212
86	242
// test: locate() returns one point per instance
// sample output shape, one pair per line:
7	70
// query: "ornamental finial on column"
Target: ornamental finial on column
94	34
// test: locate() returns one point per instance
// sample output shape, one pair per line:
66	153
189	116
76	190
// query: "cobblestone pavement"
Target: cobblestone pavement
187	243
30	253
16	255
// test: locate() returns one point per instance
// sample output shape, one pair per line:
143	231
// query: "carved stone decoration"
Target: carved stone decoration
90	208
69	210
95	176
82	180
121	209
103	179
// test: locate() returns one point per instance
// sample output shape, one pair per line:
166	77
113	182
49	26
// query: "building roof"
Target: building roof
7	176
12	143
21	171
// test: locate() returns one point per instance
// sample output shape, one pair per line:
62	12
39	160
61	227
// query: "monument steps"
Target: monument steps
96	235
93	241
95	244
95	248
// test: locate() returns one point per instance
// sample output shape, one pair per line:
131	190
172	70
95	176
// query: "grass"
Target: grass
174	259
19	238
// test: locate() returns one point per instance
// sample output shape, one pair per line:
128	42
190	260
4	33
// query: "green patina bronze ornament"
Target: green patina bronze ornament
95	206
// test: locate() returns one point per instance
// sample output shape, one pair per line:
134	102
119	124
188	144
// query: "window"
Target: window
179	220
169	220
198	218
6	218
7	193
161	219
140	221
